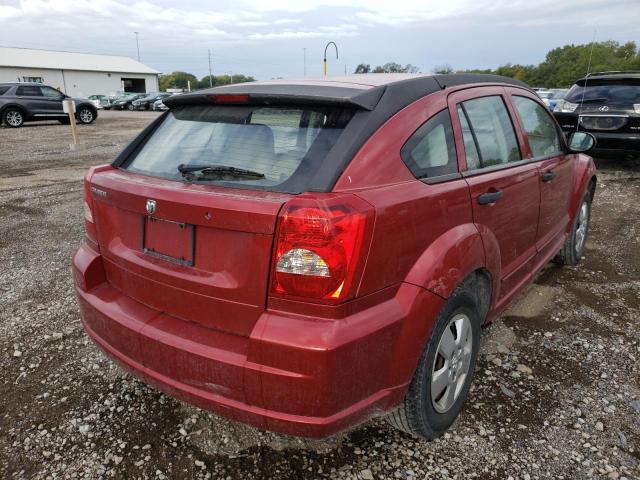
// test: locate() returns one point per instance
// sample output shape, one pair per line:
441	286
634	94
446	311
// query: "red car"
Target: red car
304	255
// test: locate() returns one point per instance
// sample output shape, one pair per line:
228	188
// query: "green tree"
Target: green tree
446	68
562	66
178	80
363	68
218	80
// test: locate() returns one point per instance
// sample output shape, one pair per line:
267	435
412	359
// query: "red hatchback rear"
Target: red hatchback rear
304	255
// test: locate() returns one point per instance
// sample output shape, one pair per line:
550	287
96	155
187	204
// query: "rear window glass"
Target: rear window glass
3	90
627	92
273	143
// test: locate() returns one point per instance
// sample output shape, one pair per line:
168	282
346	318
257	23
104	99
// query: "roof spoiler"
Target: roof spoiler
282	94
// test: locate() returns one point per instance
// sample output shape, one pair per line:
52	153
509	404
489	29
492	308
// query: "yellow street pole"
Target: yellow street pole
70	107
325	56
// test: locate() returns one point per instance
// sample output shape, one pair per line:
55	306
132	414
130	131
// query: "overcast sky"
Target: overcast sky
265	38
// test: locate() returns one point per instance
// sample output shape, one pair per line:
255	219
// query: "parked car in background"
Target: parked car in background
100	101
302	255
544	95
606	104
558	94
159	105
146	102
29	102
125	102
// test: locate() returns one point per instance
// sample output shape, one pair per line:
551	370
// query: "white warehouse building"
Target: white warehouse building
77	74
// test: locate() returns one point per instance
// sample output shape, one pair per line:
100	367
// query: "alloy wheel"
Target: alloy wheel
85	115
582	226
452	362
14	118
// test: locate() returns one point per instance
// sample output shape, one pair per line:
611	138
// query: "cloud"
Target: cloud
243	33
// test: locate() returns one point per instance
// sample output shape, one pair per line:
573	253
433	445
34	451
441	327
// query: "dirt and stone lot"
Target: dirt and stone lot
556	396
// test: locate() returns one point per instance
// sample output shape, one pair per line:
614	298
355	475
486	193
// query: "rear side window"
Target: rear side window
540	128
28	91
430	151
491	131
275	143
3	90
51	93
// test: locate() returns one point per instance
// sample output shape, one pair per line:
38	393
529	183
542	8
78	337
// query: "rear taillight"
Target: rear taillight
88	205
319	252
89	224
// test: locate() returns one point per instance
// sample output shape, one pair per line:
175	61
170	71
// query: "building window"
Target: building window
33	79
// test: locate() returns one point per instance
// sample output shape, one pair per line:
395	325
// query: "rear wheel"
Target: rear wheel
445	370
130	107
574	246
85	115
13	117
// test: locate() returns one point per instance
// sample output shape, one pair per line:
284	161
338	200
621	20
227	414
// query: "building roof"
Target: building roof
49	59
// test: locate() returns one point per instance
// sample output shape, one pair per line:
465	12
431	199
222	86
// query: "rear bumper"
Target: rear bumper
294	374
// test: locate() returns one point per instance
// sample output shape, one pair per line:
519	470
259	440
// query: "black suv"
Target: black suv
606	104
30	102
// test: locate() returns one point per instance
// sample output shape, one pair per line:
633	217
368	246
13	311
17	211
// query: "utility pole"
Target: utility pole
137	45
304	50
210	75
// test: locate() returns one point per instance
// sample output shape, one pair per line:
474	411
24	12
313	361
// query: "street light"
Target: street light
137	45
325	56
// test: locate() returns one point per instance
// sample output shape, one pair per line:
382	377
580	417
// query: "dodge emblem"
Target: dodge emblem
151	206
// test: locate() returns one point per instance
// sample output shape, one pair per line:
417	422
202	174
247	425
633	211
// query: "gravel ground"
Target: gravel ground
556	396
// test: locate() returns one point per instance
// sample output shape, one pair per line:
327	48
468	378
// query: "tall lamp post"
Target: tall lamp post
137	45
325	56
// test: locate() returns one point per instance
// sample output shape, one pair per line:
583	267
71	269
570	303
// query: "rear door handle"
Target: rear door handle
489	197
548	176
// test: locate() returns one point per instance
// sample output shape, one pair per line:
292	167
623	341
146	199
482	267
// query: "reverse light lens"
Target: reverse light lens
319	247
636	107
300	261
565	107
88	215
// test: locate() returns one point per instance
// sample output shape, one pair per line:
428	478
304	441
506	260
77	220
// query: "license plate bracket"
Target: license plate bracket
168	240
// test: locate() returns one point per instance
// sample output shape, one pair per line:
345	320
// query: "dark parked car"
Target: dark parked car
125	102
145	103
302	255
608	106
29	102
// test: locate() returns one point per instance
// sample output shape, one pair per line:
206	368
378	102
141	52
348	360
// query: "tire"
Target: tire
85	115
430	406
573	248
130	107
13	117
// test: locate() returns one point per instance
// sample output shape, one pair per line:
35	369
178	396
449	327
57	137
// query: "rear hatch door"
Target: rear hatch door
197	252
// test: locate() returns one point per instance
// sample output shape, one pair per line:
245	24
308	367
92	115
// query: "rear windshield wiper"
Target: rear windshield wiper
217	171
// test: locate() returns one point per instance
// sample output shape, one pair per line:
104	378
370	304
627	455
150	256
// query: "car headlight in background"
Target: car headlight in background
565	107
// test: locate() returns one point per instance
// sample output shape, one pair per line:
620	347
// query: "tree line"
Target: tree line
184	79
561	67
